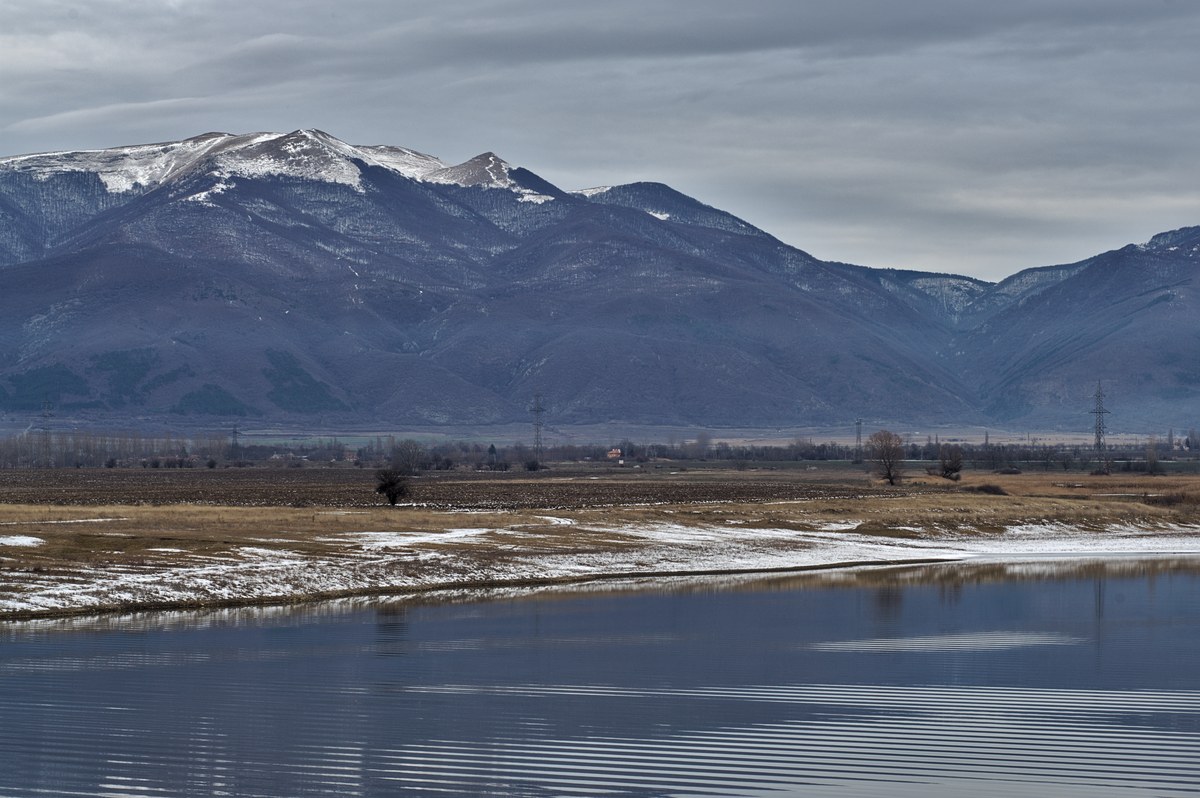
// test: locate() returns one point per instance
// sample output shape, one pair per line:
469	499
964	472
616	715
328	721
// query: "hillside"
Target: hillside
297	279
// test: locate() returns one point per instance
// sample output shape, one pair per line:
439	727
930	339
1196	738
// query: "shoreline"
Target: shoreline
316	598
1179	542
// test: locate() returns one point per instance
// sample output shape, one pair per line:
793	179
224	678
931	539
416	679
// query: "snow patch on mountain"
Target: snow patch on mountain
121	169
488	171
410	163
591	192
1032	281
1185	239
954	294
483	171
304	154
205	197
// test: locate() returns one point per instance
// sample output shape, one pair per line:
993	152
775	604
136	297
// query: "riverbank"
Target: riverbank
240	537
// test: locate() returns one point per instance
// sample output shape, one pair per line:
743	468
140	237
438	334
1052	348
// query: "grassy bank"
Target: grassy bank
111	539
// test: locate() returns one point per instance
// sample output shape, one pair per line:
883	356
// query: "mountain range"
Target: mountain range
296	279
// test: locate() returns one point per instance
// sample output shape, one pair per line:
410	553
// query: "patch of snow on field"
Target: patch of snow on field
20	540
838	526
398	540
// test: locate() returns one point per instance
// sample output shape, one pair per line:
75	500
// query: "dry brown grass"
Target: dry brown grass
226	511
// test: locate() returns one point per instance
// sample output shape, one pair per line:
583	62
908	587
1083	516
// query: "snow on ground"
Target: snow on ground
372	561
398	540
65	521
20	540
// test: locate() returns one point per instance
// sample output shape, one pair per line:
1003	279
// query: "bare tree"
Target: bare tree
950	460
408	457
1152	464
886	448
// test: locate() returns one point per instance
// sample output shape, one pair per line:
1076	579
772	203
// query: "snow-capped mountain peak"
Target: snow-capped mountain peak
121	169
144	167
1185	238
486	170
305	154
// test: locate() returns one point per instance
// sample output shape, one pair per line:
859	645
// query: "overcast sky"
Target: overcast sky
957	136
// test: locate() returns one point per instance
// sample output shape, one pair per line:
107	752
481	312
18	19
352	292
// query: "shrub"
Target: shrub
392	483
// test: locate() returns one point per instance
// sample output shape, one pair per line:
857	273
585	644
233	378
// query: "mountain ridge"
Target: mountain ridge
294	276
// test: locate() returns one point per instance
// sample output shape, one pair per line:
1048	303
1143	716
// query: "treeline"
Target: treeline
45	449
48	449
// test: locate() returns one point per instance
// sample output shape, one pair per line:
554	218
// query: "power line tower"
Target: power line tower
858	422
537	411
1100	412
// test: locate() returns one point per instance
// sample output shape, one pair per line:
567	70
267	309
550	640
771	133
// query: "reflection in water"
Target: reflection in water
1045	677
888	601
391	630
973	641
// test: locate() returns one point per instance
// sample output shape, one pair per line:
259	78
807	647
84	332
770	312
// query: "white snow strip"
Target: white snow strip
67	521
369	560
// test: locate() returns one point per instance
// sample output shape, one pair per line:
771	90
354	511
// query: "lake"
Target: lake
1049	677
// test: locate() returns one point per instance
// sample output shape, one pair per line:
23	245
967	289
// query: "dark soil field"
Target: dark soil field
352	487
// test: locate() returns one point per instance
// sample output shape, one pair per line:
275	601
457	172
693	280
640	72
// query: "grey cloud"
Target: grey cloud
891	134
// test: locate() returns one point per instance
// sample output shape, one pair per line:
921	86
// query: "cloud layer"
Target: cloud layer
934	134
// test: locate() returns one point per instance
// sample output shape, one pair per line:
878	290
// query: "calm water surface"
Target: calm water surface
1056	678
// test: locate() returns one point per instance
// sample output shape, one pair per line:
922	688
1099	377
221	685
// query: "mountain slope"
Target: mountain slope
1127	318
297	278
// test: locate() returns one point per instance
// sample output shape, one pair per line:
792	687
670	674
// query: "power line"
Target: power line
537	411
1100	412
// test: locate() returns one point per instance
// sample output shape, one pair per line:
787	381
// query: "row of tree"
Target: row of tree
72	449
45	449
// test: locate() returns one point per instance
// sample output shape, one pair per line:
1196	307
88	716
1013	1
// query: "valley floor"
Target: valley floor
111	540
